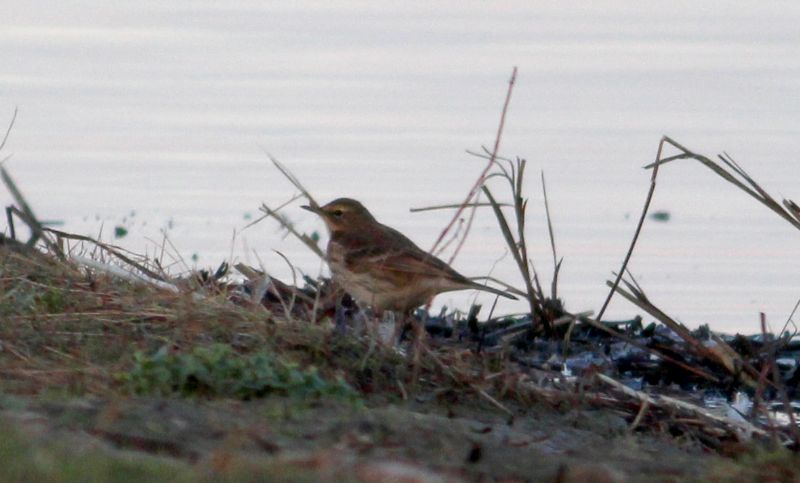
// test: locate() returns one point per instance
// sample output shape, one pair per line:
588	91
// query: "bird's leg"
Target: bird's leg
372	323
340	318
399	320
347	312
404	323
418	328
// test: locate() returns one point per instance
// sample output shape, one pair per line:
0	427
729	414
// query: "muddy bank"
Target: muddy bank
423	440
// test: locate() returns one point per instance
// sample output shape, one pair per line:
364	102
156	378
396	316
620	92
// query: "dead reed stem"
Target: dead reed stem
636	233
737	176
479	182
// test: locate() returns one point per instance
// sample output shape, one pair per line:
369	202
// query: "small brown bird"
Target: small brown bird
379	266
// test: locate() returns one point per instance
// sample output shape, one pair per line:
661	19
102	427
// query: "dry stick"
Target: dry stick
453	205
789	320
666	401
776	376
516	252
8	130
110	249
792	208
645	208
639	416
482	178
510	288
736	358
758	403
463	238
489	165
472	193
635	343
728	359
289	226
269	212
293	299
292	179
556	262
765	197
520	207
124	274
279	208
481	392
270	284
452	238
756	191
763	379
23	210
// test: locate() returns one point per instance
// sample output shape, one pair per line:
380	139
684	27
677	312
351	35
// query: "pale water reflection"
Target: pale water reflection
154	115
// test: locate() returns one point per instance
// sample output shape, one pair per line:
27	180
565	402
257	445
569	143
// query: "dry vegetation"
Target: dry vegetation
97	341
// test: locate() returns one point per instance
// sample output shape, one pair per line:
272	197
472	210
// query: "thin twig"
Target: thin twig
776	377
113	250
754	190
463	237
453	238
789	320
479	182
288	225
125	274
645	208
292	179
556	262
453	205
598	325
8	130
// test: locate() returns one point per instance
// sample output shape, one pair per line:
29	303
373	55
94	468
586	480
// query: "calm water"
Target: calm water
156	116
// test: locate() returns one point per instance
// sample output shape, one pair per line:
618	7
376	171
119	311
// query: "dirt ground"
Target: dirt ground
288	440
75	346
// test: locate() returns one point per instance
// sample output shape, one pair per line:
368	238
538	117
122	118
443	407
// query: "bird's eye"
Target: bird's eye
338	213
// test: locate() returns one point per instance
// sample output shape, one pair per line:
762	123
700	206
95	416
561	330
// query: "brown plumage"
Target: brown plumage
379	266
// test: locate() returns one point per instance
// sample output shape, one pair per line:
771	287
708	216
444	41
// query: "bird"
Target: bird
379	266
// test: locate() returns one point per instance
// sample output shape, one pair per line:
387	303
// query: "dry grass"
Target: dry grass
69	328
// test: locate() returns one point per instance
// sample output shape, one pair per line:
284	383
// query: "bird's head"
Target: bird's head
343	214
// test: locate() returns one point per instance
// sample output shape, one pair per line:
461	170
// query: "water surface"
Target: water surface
156	116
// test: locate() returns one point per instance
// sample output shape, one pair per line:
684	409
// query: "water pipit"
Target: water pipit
379	266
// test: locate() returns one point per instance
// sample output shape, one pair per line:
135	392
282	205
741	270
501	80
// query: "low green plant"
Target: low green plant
218	370
53	301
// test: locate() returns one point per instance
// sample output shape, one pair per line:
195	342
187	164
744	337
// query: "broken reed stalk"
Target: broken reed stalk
517	244
694	370
479	182
293	179
789	320
725	356
737	176
25	213
452	206
23	209
111	249
776	377
556	261
636	233
452	239
676	405
283	220
8	129
289	226
473	193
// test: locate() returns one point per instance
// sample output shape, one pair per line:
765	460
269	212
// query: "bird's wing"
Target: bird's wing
398	254
408	260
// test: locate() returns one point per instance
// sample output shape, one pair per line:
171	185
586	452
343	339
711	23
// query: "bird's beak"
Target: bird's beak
312	209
